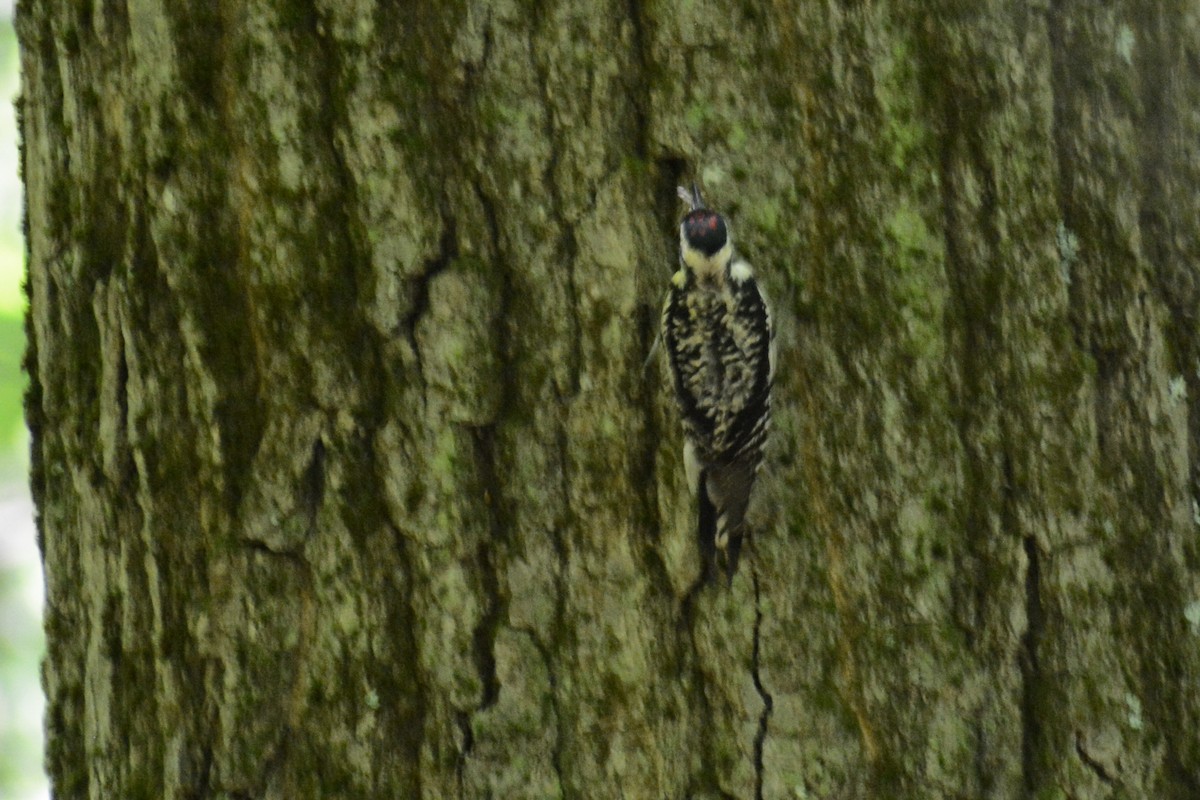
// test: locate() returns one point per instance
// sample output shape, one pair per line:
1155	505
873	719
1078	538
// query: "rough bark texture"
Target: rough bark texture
351	482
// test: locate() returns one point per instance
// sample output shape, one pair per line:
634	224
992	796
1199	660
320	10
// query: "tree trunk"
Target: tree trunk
351	482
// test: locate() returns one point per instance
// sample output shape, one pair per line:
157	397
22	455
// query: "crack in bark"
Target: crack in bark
971	618
1091	763
491	486
286	553
489	214
489	476
128	467
116	457
313	485
404	630
203	788
419	292
760	737
367	497
473	69
504	303
484	637
644	467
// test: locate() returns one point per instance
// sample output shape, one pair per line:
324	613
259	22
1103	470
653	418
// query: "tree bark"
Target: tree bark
351	482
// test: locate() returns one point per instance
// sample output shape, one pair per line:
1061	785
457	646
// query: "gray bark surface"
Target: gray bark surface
351	482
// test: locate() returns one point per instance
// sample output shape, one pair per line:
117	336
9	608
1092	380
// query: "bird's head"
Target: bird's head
704	230
703	237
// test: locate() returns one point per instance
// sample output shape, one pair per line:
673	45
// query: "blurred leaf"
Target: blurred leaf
12	381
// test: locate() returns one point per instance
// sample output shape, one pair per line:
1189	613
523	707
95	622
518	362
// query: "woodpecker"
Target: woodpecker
719	345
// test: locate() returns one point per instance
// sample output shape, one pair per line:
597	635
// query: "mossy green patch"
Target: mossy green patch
697	114
764	214
737	137
903	132
919	288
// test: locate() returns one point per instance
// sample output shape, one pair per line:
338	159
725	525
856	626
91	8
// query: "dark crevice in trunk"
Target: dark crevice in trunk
127	467
489	475
760	737
644	469
970	595
209	290
313	485
447	252
202	788
503	311
639	71
419	291
484	637
288	553
570	251
1091	763
407	675
493	224
229	352
687	606
473	69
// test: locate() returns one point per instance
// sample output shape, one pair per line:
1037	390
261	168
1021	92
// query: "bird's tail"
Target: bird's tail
708	529
724	497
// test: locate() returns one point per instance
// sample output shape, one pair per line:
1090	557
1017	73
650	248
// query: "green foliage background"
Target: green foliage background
21	641
12	339
12	387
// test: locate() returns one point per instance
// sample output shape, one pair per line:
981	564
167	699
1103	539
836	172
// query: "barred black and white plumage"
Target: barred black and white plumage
718	336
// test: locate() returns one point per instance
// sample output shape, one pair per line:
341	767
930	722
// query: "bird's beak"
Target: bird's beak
692	198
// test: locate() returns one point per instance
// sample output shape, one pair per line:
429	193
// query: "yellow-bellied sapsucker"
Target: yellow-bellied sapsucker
718	336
